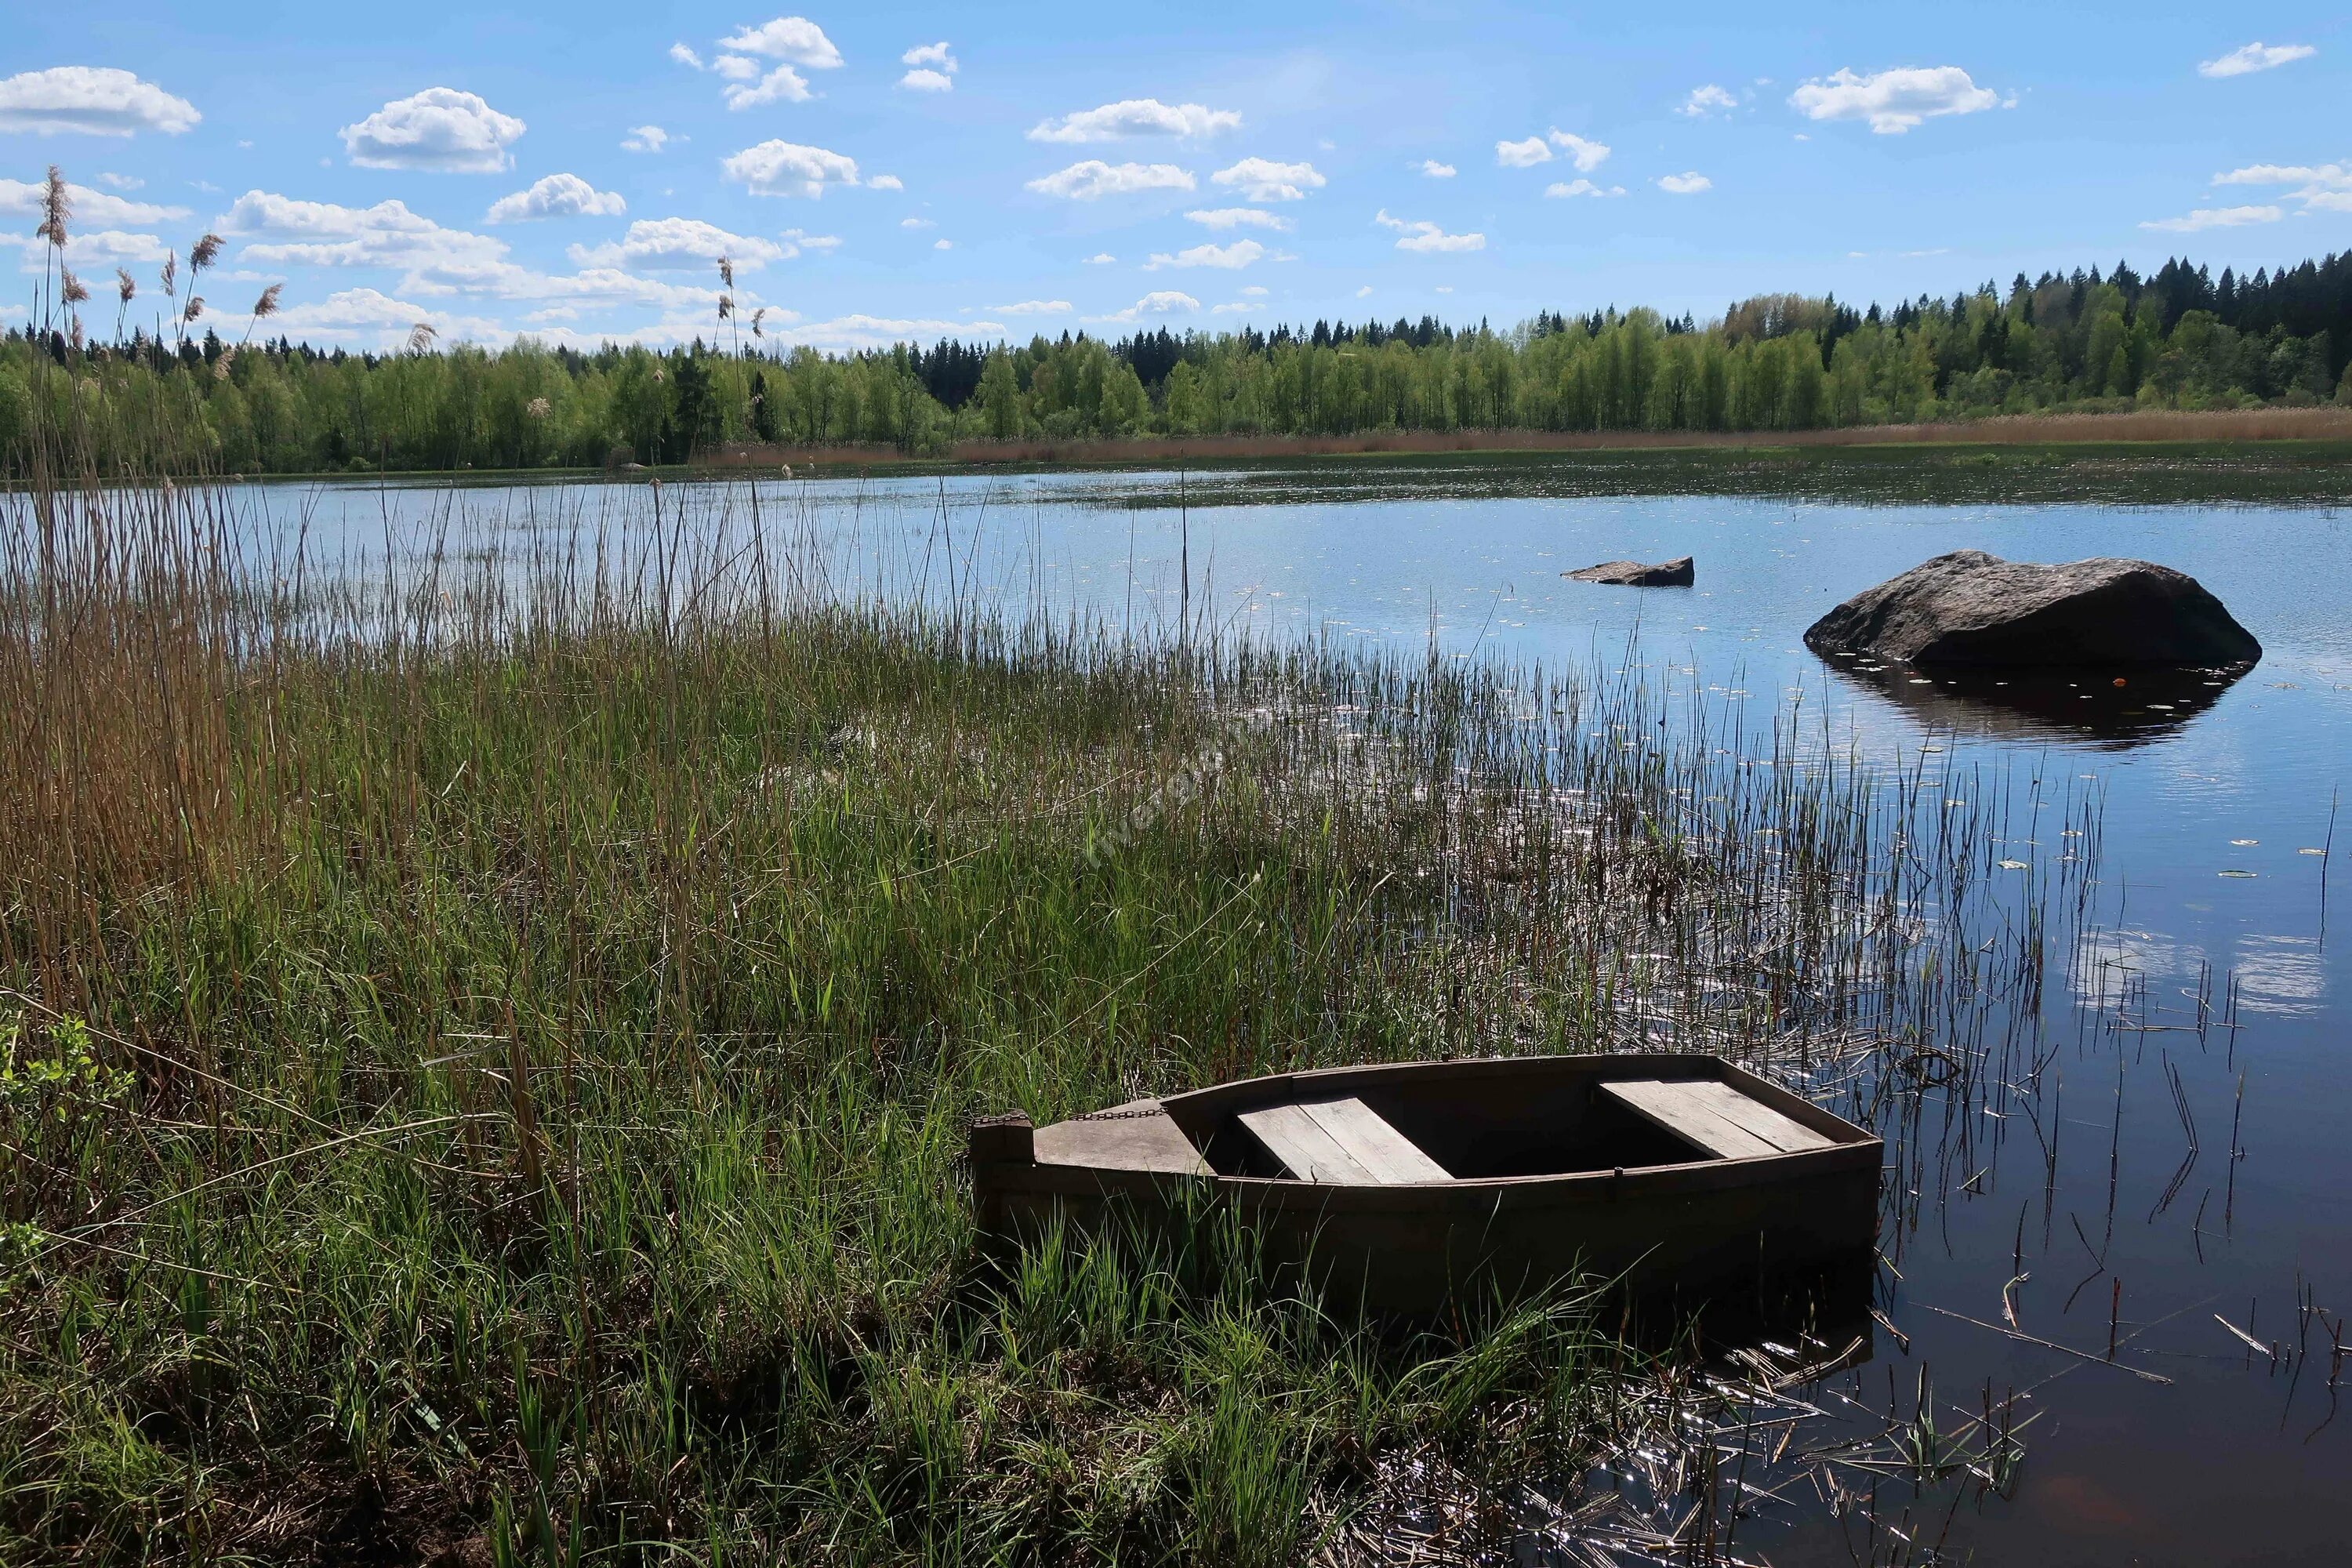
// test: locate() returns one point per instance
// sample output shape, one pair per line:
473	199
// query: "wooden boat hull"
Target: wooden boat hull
1686	1226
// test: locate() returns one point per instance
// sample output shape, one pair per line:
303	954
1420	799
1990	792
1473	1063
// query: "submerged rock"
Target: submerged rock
1674	574
1972	608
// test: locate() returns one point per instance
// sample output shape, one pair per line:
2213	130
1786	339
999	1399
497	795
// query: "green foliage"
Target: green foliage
1771	363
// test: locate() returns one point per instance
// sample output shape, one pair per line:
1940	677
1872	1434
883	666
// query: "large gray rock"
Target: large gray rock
1675	573
1972	608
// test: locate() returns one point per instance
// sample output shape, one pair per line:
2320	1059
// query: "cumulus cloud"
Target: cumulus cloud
278	230
885	183
1239	217
789	169
917	223
678	244
121	182
1433	169
797	240
1706	100
1032	308
2320	187
440	130
1257	290
1160	302
92	251
738	67
557	195
22	196
1581	188
1263	180
685	56
2215	218
1232	257
934	68
1585	155
782	85
1100	258
1426	238
2255	57
1093	179
371	318
1136	117
90	101
794	39
644	139
1689	183
1233	308
1892	101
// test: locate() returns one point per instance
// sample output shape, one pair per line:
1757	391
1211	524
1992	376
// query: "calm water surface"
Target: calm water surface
2214	803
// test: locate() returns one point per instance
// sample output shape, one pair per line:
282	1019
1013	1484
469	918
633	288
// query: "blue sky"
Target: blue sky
886	171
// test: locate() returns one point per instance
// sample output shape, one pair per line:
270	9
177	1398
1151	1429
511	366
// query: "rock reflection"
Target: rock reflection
2113	709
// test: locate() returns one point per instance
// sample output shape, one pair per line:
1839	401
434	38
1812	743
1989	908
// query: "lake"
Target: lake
2182	1174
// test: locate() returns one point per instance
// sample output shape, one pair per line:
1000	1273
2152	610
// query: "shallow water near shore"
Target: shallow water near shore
2175	1183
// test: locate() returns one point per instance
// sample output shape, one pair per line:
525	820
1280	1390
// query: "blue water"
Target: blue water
2213	804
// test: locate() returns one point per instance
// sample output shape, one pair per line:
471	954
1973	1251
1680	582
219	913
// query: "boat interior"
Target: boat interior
1488	1120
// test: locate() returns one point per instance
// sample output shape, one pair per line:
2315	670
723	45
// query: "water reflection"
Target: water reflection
2108	710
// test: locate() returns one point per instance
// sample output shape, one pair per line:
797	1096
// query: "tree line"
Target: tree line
2177	338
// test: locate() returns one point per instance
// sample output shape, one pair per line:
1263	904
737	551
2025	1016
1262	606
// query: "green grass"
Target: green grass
534	1002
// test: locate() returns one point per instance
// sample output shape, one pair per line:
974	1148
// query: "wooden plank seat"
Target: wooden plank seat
1715	1116
1340	1140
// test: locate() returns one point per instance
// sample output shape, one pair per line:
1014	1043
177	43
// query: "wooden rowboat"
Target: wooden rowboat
1404	1185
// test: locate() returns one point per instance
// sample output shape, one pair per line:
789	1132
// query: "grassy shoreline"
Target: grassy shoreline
488	1047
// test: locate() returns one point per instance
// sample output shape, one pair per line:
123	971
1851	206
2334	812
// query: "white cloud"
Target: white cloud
2256	57
685	56
934	67
92	101
121	182
797	240
1032	308
1581	188
1708	100
1234	257
2332	176
2320	187
1234	308
1239	217
943	245
737	68
24	198
440	130
93	252
1160	302
431	260
644	139
557	195
782	85
1893	100
1426	238
1585	155
1093	179
1263	180
1136	117
1365	293
1433	169
917	223
1100	258
371	318
794	38
2216	217
885	183
1257	290
789	169
675	243
1689	183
